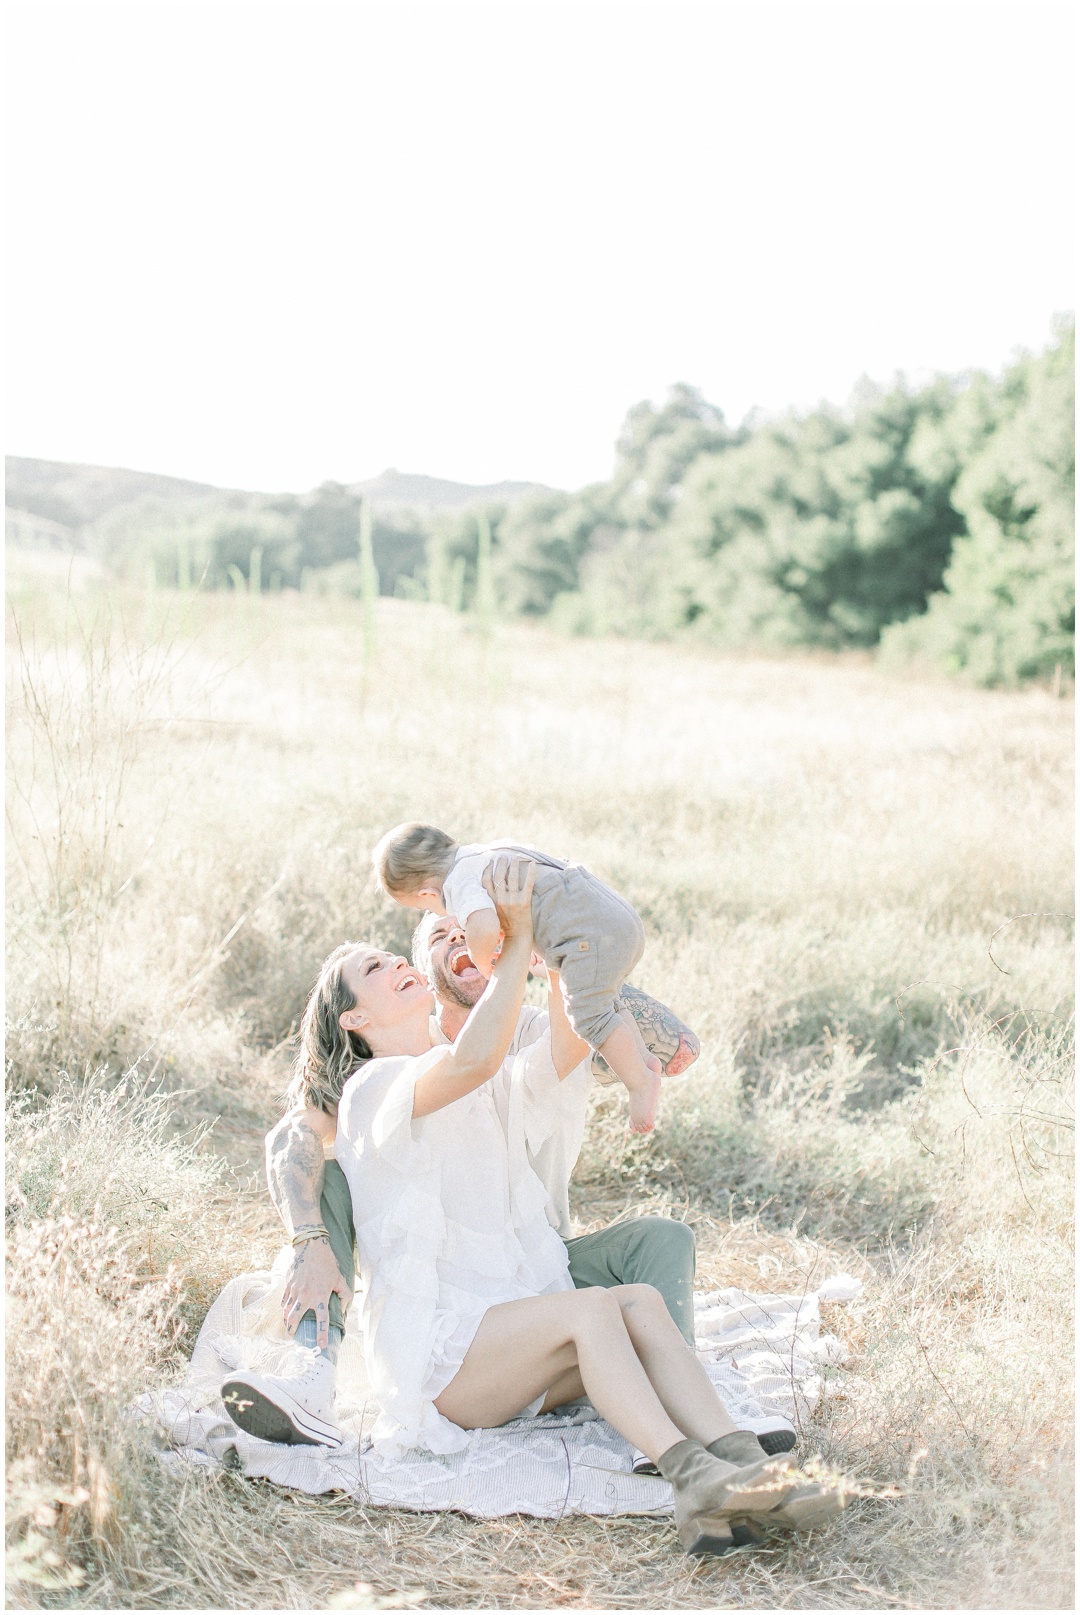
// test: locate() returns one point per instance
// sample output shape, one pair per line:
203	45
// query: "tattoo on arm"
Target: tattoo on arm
662	1032
302	1253
295	1165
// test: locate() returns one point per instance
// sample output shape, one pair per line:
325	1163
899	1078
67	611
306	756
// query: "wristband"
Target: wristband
303	1235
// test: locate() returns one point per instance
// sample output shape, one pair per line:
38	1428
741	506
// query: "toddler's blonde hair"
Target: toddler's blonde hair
412	856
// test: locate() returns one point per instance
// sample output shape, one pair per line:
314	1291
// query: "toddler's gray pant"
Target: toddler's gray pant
593	938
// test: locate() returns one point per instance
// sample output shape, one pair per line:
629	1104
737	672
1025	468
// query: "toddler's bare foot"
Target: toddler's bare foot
644	1099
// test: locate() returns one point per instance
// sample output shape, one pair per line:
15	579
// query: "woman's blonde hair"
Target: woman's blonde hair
413	855
328	1054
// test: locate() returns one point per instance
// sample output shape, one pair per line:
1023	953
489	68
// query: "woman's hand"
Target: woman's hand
509	883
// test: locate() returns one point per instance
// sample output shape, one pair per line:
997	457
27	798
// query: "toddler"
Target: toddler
583	929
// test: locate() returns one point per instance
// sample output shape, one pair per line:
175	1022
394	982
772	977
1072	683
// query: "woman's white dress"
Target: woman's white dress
450	1220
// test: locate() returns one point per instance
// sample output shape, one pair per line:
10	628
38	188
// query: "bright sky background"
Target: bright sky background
264	245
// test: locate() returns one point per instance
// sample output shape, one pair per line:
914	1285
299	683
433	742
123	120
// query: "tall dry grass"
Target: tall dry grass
823	857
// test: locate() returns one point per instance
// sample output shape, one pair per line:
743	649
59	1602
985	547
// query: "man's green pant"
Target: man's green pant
336	1207
648	1250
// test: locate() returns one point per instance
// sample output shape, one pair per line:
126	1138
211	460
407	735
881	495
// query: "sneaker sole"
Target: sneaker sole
775	1442
286	1423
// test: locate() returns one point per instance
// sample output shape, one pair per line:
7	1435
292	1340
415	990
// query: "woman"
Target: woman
469	1316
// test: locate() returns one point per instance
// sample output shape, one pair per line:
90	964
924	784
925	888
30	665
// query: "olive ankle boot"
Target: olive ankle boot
710	1494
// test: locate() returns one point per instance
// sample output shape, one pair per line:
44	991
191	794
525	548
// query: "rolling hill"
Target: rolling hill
62	497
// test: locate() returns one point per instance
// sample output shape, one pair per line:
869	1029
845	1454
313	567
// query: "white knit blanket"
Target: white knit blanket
765	1354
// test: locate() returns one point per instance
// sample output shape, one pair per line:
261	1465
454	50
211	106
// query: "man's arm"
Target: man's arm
295	1166
663	1033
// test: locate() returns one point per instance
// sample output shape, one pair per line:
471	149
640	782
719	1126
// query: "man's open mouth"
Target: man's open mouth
461	964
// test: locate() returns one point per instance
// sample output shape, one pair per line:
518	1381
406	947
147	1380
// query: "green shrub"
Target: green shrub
1006	612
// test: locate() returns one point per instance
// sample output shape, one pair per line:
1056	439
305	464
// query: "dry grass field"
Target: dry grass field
857	889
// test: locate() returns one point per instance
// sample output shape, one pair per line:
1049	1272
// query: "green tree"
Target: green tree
452	554
326	525
654	449
541	544
811	530
545	541
1007	609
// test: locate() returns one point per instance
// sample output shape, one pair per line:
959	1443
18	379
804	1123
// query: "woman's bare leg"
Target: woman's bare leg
523	1348
682	1386
680	1381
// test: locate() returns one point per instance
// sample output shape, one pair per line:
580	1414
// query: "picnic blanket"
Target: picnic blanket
765	1354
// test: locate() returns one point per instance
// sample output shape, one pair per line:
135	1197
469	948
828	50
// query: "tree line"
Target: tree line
932	522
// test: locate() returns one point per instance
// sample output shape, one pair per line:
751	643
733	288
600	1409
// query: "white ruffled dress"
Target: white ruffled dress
450	1220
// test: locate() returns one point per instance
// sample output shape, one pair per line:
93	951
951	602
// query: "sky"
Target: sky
267	245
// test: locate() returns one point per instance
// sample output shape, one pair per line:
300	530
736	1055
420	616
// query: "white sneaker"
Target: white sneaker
294	1408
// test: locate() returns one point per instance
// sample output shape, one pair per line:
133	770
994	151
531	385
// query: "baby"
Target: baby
583	929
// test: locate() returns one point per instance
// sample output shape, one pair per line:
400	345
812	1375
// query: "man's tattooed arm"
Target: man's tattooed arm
663	1033
295	1167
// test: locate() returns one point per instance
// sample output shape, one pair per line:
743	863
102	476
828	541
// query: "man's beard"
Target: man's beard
452	989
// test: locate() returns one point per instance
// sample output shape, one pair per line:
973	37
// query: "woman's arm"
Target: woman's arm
567	1049
484	1039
